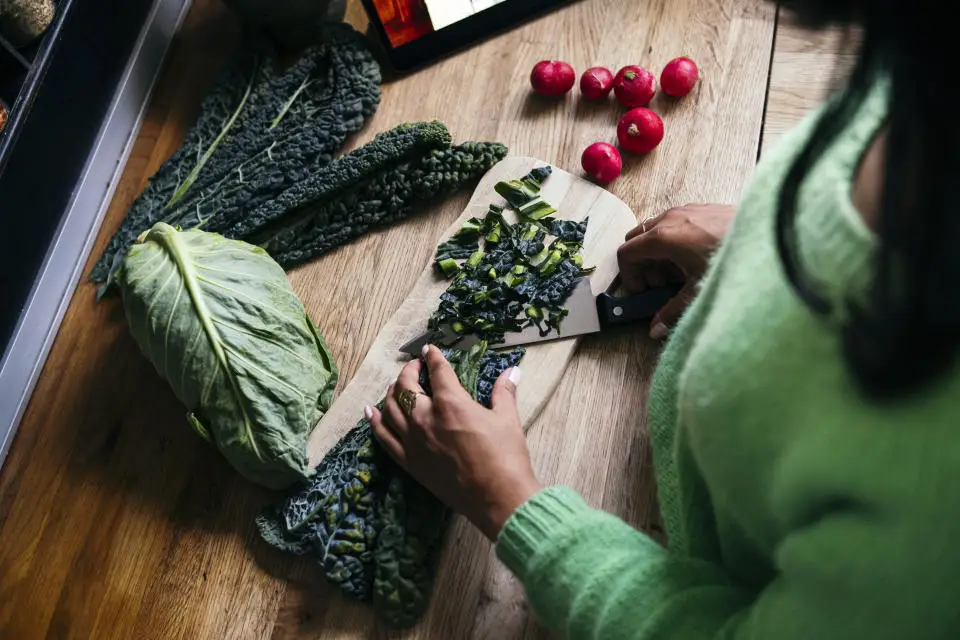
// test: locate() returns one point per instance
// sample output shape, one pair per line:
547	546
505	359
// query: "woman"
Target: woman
803	412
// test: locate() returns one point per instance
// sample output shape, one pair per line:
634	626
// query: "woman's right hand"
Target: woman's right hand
672	248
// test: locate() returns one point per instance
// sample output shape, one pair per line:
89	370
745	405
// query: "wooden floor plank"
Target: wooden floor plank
116	521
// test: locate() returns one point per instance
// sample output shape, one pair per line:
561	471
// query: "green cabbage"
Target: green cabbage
221	324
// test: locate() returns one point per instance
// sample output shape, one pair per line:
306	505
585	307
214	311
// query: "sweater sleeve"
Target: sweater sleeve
846	574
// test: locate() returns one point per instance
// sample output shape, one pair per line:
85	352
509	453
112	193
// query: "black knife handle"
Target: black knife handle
615	311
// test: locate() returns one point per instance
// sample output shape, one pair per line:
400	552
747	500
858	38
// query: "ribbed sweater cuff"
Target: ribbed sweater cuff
533	524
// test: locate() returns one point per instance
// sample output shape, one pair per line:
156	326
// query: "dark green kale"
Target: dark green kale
461	245
334	516
376	532
491	366
514	280
385	152
414	522
261	130
390	192
569	231
386	198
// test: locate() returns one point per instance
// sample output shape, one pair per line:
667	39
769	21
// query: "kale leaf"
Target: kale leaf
377	184
382	154
261	131
386	197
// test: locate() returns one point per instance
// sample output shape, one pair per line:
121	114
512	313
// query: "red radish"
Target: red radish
634	86
596	83
679	76
640	130
602	162
552	78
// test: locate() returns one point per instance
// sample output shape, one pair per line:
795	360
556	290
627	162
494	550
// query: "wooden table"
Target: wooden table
116	521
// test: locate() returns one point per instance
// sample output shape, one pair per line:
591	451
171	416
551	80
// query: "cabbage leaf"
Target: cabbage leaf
222	325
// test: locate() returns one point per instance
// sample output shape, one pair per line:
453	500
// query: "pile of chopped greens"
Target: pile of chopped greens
374	530
510	276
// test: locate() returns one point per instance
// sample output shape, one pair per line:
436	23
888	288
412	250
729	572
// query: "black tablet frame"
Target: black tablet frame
460	35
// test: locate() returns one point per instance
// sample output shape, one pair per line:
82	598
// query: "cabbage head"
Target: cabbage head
222	325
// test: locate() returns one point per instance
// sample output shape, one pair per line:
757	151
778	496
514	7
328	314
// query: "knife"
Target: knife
587	314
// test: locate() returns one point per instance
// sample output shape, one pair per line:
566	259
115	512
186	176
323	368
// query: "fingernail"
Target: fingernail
514	376
425	350
659	331
367	413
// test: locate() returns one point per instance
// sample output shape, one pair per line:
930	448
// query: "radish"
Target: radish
602	162
634	86
596	83
679	76
640	130
552	78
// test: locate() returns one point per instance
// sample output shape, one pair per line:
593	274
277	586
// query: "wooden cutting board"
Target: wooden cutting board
544	363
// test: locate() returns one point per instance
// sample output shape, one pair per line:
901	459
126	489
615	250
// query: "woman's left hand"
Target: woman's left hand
473	458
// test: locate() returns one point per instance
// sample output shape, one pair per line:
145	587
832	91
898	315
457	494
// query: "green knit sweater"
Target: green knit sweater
795	508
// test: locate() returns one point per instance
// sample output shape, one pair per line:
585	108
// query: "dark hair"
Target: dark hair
906	331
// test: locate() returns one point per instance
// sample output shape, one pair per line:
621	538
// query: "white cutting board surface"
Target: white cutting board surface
544	363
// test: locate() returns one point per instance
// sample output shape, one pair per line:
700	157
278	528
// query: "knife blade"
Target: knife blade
587	314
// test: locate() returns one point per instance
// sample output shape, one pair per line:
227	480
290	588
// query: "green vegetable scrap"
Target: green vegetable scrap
514	279
261	131
221	324
377	533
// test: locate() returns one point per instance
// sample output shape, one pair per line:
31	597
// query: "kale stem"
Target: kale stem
195	172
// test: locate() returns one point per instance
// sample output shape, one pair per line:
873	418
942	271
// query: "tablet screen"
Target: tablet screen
407	20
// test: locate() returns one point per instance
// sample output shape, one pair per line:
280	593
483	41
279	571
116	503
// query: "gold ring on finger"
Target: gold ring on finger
408	401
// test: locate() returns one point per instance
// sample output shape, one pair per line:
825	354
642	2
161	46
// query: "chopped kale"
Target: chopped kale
517	193
569	231
524	194
461	245
514	279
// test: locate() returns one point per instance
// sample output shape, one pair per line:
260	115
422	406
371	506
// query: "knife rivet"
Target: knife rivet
618	311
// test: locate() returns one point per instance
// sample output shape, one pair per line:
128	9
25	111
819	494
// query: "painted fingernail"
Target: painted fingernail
425	350
659	331
514	376
367	413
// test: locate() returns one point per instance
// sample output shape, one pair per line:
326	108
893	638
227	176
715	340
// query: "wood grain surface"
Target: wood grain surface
807	66
544	363
116	521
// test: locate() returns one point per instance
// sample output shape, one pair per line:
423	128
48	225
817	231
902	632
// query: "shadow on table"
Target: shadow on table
535	105
133	438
